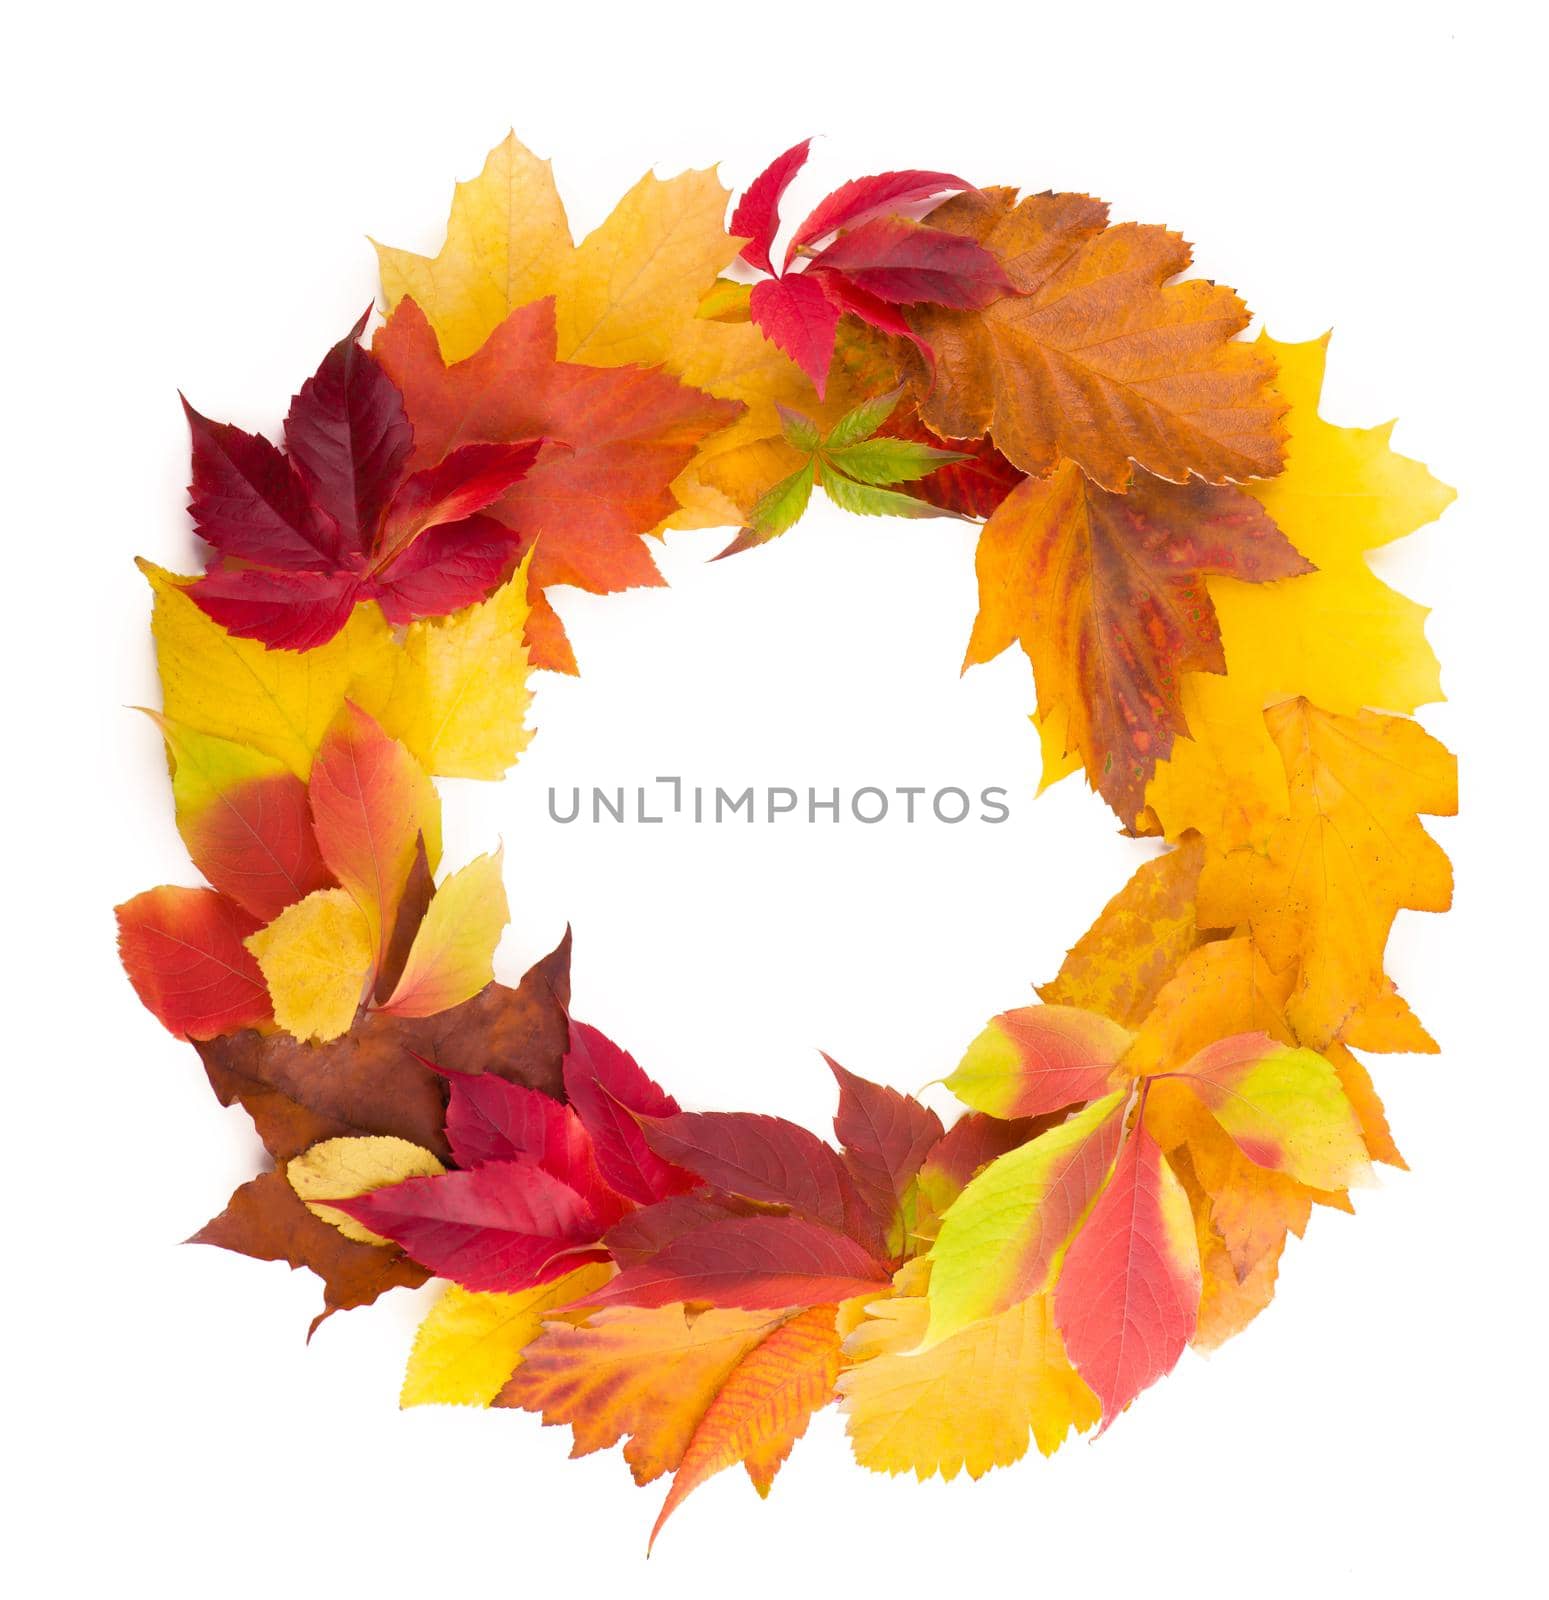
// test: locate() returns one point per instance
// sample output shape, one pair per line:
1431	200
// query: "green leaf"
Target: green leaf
799	431
779	509
881	461
863	421
866	501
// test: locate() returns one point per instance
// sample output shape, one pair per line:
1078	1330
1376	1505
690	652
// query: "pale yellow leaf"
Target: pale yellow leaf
340	1169
316	958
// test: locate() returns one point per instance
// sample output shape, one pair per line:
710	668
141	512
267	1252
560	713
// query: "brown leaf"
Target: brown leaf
264	1219
369	1082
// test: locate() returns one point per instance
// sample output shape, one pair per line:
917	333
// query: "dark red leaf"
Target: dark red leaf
886	1137
847	296
757	217
971	488
465	480
445	569
285	610
908	262
349	438
765	1159
645	1232
251	504
488	1119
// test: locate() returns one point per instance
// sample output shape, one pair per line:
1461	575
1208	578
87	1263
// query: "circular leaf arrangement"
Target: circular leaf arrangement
1173	535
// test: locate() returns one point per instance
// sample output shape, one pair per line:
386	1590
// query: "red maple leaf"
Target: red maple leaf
618	437
303	535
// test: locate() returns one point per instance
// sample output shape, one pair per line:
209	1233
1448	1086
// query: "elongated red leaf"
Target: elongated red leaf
1127	1297
349	438
757	217
765	1159
501	1227
756	1263
854	202
184	954
608	1090
909	262
800	319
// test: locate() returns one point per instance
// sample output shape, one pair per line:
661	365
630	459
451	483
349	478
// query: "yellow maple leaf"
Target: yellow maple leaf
469	1344
316	958
278	701
966	1404
631	292
340	1169
455	693
507	244
1339	636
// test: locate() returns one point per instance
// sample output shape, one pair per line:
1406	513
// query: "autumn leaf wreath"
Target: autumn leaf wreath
1173	535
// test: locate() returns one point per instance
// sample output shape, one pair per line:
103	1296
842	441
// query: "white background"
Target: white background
189	192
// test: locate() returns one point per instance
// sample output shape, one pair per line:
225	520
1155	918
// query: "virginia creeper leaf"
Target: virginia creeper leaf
1039	1059
1006	1234
1128	1293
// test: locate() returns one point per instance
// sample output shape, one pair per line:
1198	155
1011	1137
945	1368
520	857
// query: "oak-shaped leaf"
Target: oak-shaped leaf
1098	357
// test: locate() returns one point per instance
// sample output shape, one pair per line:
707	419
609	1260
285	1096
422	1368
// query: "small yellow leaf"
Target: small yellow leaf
340	1169
453	953
316	957
470	1344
